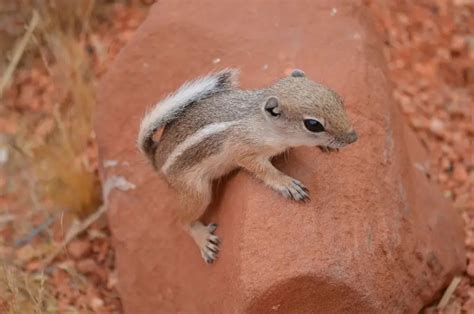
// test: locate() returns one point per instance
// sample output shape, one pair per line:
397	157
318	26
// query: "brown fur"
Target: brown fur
301	96
197	153
254	138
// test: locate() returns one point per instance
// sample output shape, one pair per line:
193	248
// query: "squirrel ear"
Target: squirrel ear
272	106
298	73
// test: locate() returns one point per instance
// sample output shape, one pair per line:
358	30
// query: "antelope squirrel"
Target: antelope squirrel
211	127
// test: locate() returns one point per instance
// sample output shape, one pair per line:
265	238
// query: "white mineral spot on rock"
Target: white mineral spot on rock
276	307
388	149
96	303
356	36
3	156
423	167
333	12
437	127
404	198
110	163
216	60
116	182
265	67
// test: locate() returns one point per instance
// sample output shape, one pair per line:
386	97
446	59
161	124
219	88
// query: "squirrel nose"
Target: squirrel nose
351	137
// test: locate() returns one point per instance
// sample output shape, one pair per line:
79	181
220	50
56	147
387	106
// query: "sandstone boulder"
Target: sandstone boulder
377	236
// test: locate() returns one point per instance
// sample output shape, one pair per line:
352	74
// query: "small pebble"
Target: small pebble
437	127
470	269
86	266
78	248
460	174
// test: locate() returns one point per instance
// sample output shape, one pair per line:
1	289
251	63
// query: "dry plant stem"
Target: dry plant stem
449	292
73	232
18	53
76	229
37	300
11	287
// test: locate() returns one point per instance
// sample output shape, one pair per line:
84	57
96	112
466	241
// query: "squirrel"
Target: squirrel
211	127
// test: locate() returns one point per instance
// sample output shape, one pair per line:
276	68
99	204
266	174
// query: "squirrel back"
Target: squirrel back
174	104
211	128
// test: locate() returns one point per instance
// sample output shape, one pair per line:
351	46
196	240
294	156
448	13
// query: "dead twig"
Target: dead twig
112	182
74	231
18	52
449	292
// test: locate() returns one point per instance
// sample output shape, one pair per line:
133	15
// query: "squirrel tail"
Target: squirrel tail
173	105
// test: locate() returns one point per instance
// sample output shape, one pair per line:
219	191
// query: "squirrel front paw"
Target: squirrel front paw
294	190
210	247
206	240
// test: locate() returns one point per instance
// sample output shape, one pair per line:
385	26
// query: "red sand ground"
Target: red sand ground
430	49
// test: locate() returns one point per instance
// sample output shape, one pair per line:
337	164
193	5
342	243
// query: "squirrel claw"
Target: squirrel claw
206	240
296	191
326	149
212	228
211	249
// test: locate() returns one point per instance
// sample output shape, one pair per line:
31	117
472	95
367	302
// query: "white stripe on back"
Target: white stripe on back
194	139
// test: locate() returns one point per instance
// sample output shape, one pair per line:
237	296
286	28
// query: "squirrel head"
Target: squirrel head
308	113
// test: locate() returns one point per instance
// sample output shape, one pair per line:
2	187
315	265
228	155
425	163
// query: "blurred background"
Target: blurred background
55	247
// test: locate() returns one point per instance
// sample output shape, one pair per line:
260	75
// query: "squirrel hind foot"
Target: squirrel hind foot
206	240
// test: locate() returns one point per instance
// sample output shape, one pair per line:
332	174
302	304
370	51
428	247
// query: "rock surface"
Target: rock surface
377	235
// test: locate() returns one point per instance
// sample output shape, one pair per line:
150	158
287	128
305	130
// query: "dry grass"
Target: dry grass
24	293
60	165
61	168
57	163
18	52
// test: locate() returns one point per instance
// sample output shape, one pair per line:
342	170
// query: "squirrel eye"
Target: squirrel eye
313	125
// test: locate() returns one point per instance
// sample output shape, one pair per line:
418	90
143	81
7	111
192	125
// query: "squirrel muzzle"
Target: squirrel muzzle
348	138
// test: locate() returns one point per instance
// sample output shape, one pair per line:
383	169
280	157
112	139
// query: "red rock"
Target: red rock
112	280
468	307
445	163
443	177
469	242
458	43
33	266
87	266
462	200
406	102
470	269
349	249
454	307
27	96
77	249
8	126
460	173
418	123
96	304
470	292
